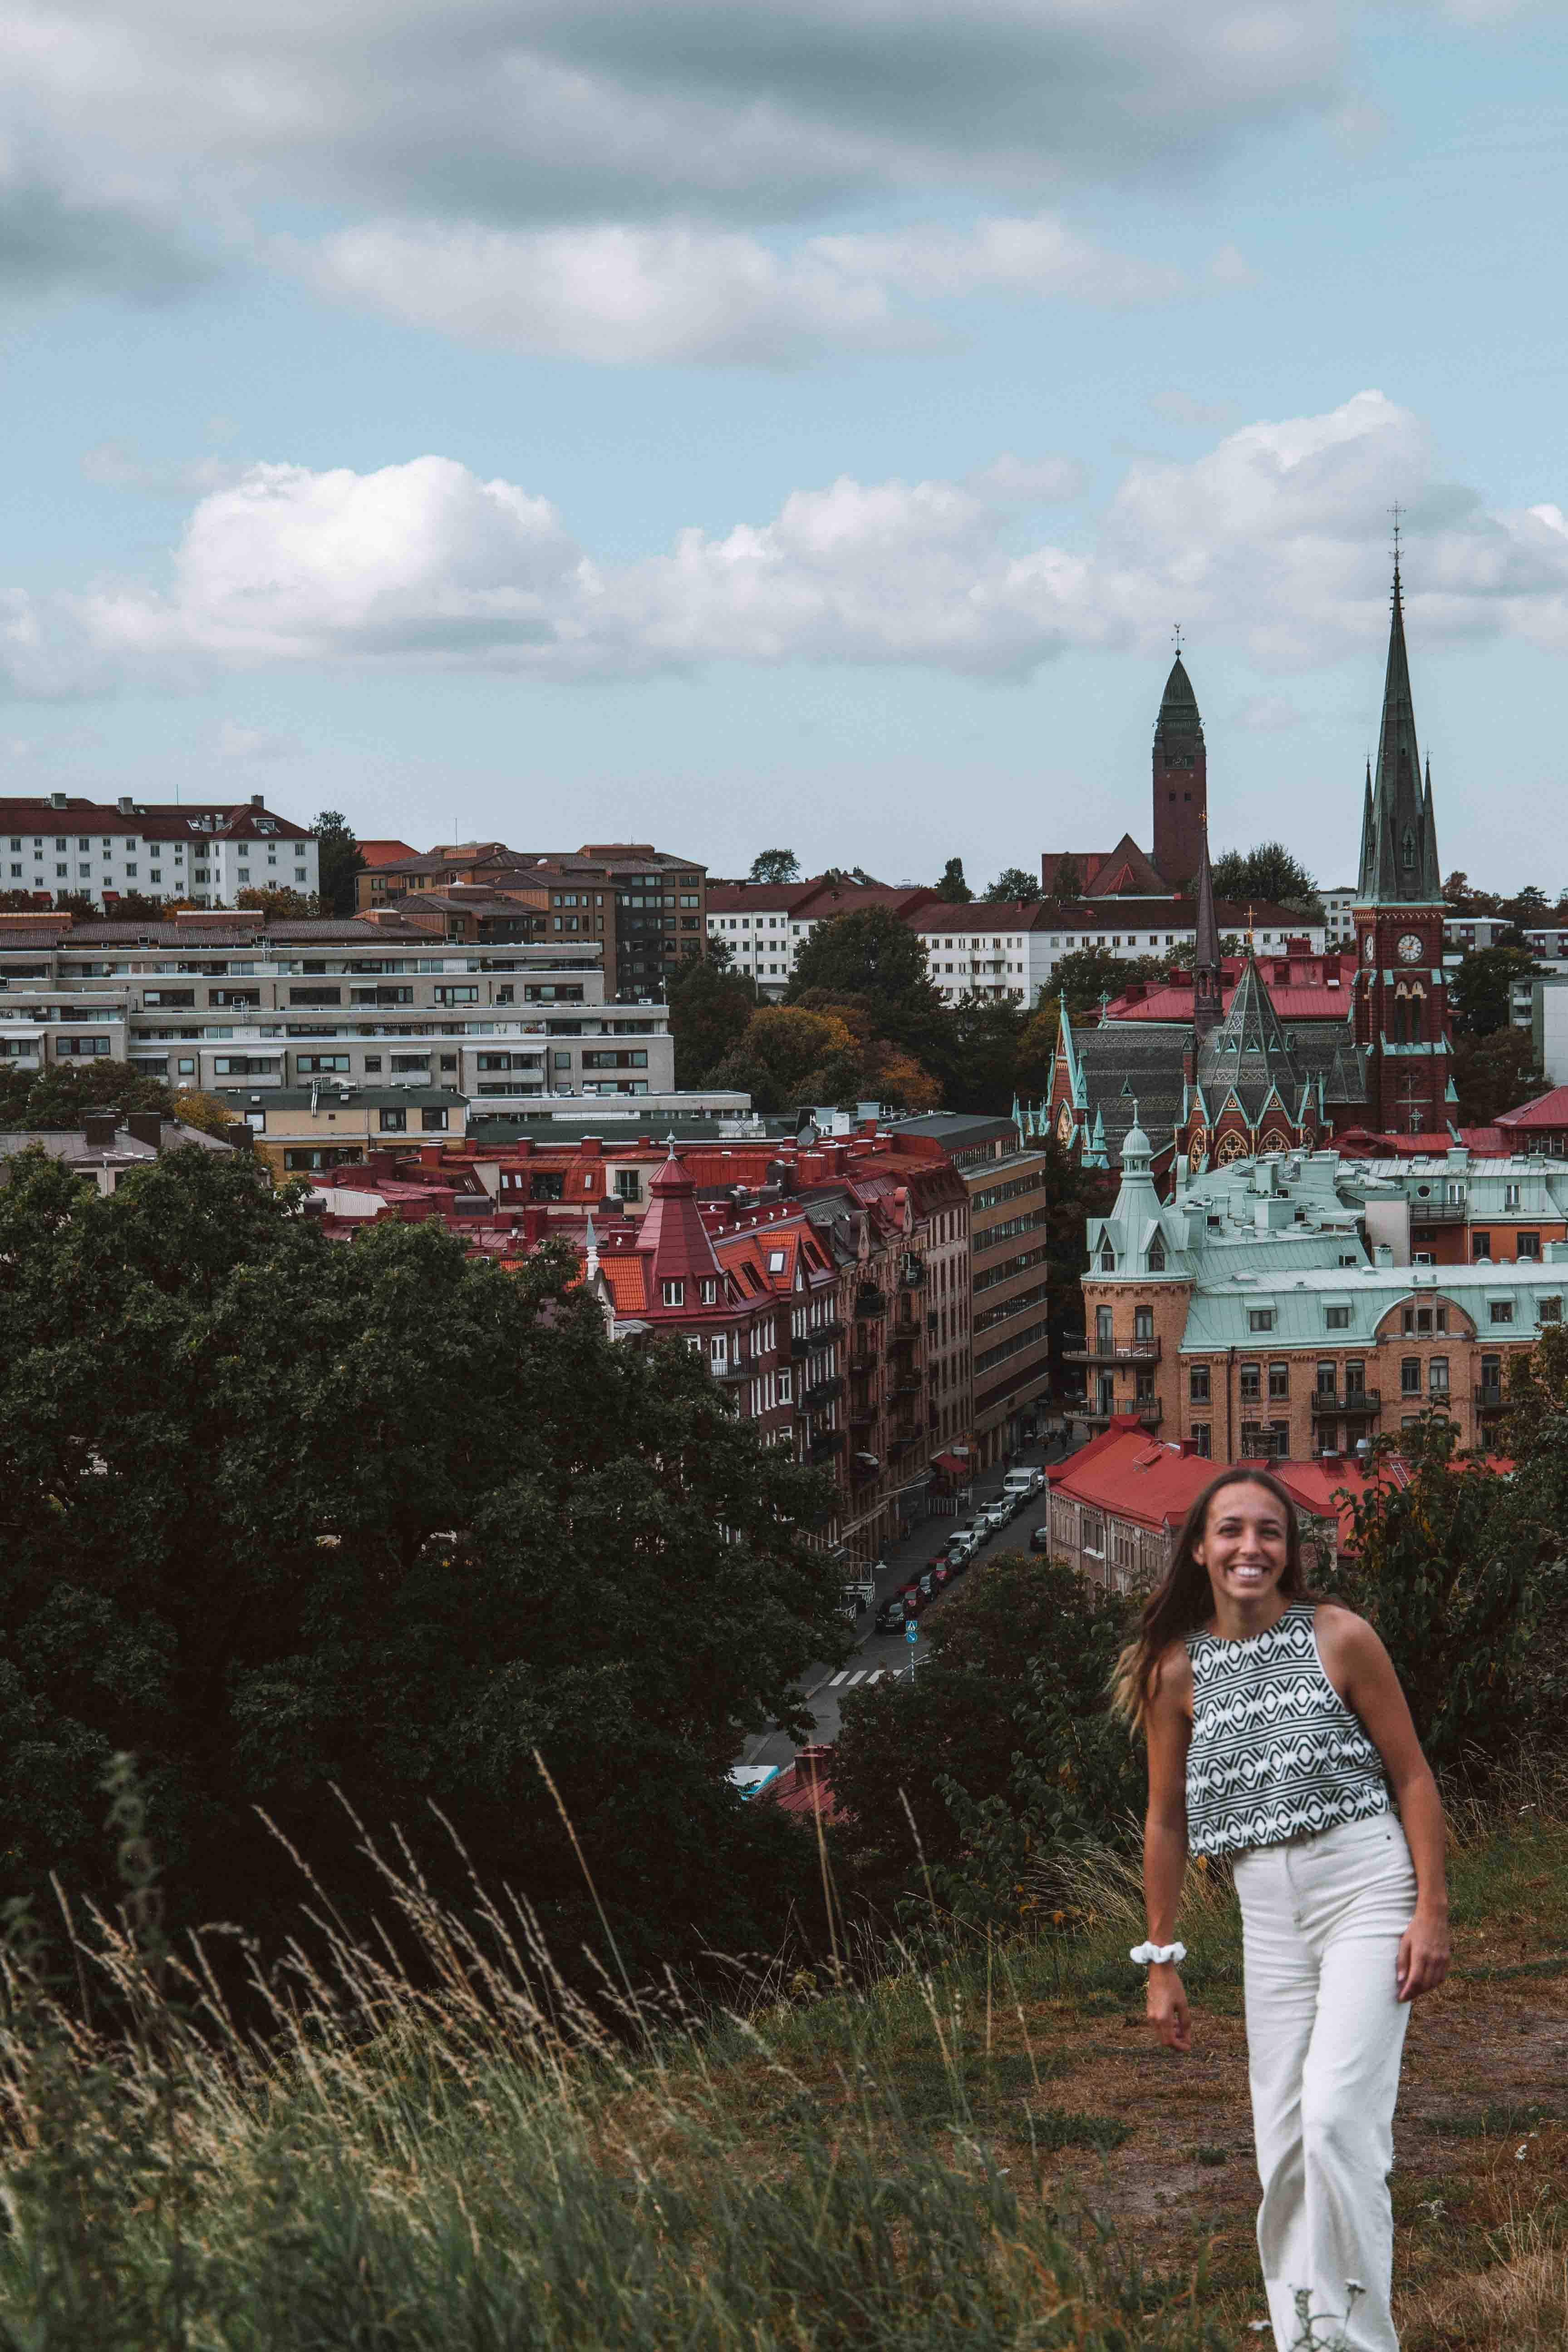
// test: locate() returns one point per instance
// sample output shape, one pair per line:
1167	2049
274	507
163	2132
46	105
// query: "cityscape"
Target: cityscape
783	1179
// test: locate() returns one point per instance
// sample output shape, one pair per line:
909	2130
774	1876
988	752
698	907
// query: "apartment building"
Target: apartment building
978	947
644	907
1271	1309
227	1002
64	848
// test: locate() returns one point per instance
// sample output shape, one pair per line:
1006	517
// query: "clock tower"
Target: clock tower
1401	1002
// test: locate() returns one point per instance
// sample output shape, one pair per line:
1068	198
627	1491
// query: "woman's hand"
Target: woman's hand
1422	1960
1168	2006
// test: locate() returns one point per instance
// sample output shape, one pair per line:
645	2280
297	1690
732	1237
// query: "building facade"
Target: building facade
63	847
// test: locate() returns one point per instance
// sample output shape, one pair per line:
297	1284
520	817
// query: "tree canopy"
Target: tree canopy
338	860
774	865
709	1009
283	1515
60	1097
1481	990
952	885
1266	876
1013	883
870	958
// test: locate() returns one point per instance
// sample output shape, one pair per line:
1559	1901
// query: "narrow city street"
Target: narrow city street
886	1656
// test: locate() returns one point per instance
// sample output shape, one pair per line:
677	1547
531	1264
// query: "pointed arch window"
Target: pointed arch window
1407	847
1157	1256
1107	1258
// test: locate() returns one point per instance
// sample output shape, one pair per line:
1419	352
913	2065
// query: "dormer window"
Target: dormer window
1157	1256
674	1294
1107	1258
710	1291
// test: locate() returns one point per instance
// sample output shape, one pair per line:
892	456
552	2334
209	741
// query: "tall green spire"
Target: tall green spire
1399	847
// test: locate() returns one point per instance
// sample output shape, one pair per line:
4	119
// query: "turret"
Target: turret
1180	780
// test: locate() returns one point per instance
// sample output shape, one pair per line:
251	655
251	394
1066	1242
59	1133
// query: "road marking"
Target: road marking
838	1678
856	1678
874	1678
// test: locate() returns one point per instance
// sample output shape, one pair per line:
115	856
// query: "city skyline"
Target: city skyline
644	428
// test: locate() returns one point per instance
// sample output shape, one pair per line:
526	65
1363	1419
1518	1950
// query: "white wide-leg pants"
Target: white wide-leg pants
1322	1919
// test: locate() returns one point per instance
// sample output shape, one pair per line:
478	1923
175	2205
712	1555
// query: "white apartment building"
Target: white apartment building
1338	913
62	847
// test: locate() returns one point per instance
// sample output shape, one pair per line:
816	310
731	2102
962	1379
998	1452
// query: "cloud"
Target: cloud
633	295
236	742
115	466
1274	539
53	243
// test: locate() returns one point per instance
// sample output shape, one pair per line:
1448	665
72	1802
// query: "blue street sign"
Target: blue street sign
911	1632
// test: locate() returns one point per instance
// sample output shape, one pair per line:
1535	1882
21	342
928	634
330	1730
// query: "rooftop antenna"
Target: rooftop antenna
1176	637
1395	513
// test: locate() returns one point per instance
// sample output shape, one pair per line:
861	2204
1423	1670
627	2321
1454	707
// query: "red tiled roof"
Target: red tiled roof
386	853
1547	1110
804	1787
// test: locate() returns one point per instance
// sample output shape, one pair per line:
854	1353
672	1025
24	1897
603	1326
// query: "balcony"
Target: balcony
801	1344
1329	1403
1437	1213
911	1273
823	1393
1489	1395
1147	1412
869	1300
861	1417
1107	1351
739	1368
907	1384
933	1322
863	1466
831	1329
903	1335
827	1442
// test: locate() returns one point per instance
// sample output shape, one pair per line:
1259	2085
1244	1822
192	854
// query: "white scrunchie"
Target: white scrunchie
1146	1955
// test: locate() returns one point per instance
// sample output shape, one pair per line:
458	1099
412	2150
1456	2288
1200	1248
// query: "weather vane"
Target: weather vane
1176	636
1396	512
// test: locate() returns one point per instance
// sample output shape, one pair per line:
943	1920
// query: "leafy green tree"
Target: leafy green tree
774	865
1480	991
1494	1073
1001	1749
952	885
284	906
1066	883
338	860
1014	883
709	1010
60	1098
1091	972
283	1515
209	1112
985	1034
871	959
1266	876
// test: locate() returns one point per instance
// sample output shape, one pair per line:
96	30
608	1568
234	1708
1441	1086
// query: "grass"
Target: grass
978	2148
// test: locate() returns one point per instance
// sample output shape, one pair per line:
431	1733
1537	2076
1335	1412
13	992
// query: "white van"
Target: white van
1019	1485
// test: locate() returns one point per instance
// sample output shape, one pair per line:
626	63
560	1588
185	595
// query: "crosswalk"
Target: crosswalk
849	1680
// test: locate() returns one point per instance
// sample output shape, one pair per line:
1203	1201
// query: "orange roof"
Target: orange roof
1546	1110
804	1787
386	853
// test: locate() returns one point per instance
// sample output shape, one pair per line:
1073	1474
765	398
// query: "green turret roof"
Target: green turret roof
1399	844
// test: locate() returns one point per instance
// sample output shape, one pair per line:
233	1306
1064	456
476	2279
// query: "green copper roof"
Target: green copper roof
1399	838
1179	704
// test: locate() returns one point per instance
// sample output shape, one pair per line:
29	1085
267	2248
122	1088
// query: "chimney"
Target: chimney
98	1129
126	805
56	799
240	1134
147	1128
259	800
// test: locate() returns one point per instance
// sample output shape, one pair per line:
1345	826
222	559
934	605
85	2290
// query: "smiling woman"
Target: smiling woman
1276	1727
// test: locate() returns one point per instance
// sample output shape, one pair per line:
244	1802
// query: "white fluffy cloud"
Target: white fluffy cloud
1275	537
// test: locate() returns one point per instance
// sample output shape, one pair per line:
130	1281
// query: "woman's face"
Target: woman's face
1244	1544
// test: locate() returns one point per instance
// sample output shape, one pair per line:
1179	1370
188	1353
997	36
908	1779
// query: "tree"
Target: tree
1481	990
60	1098
1014	883
1002	1749
984	1034
1091	972
952	885
280	906
209	1112
870	958
1268	875
1066	883
709	1010
284	1514
338	860
1494	1073
774	865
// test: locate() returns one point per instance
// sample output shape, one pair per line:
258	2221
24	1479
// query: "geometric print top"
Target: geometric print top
1275	1751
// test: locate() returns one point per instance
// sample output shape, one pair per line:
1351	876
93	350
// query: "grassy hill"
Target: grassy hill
980	2149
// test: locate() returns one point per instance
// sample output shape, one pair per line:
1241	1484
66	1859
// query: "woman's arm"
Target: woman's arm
1168	1726
1362	1671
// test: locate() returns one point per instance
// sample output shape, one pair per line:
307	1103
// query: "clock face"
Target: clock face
1409	950
1370	947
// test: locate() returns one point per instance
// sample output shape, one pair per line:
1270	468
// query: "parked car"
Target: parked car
928	1584
996	1515
1040	1537
940	1573
913	1598
891	1616
1019	1485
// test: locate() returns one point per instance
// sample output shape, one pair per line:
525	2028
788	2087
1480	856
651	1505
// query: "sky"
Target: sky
738	425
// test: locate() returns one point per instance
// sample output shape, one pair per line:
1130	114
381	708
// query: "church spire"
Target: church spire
1399	845
1180	778
1208	1002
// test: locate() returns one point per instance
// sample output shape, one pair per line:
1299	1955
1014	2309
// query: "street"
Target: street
882	1657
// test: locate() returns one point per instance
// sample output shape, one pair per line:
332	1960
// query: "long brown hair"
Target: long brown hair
1185	1600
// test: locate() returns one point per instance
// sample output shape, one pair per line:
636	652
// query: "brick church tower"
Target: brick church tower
1181	780
1401	1000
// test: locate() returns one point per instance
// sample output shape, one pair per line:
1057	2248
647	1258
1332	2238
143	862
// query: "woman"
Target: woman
1277	1731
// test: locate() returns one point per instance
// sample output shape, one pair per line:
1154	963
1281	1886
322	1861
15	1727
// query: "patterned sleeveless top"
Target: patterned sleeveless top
1275	1751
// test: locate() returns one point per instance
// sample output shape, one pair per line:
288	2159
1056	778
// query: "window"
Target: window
628	1184
395	1122
1480	1244
166	997
1549	1310
83	1047
1410	1376
433	1119
1327	1377
675	1294
1103	1326
1499	1310
1438	1376
1528	1245
1251	1383
311	1065
1260	1318
1279	1383
1201	1439
460	996
1142	1323
411	1064
1198	1383
1337	1318
315	996
1510	1196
